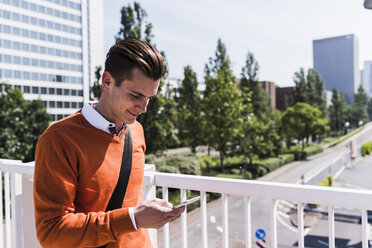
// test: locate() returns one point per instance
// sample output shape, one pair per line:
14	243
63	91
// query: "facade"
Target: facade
282	95
336	60
366	77
49	51
270	89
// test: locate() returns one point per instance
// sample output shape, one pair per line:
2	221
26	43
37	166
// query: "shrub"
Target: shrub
261	171
167	168
178	163
327	182
366	148
150	158
207	162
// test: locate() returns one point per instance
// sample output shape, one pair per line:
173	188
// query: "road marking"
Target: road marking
212	219
219	228
322	242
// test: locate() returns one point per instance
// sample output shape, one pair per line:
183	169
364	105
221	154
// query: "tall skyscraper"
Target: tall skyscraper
336	60
366	75
49	49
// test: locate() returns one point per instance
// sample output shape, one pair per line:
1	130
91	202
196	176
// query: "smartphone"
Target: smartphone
187	202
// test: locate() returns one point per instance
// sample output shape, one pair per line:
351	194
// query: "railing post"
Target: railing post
365	229
331	226
225	220
274	236
184	220
16	204
7	210
149	192
204	222
248	226
166	226
1	214
300	225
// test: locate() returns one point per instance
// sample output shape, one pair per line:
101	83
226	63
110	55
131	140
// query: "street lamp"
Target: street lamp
368	4
347	124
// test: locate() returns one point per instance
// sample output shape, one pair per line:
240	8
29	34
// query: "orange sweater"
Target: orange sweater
76	170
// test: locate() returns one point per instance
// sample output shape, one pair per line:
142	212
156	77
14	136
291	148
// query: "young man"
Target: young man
78	160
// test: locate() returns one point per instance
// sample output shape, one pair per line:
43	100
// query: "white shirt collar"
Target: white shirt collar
97	120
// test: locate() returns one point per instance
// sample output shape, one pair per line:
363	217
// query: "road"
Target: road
290	173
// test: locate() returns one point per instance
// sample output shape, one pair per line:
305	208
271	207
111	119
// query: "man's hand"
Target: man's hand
155	213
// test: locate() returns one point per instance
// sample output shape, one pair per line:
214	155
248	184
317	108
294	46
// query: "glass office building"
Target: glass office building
49	51
336	60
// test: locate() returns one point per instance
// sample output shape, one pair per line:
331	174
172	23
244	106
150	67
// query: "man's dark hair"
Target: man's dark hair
129	54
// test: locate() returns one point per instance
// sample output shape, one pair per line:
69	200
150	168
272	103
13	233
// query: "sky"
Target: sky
278	32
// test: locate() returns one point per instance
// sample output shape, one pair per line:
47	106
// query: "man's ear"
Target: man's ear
107	80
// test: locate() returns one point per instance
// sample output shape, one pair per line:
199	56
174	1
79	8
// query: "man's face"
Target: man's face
130	99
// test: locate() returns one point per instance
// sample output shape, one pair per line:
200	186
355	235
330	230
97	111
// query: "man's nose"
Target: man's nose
142	106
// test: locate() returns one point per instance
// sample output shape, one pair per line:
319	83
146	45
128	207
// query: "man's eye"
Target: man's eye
135	96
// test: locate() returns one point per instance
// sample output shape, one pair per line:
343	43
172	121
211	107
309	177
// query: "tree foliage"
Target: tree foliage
338	111
302	121
222	102
260	100
189	110
134	24
21	124
359	107
97	88
309	88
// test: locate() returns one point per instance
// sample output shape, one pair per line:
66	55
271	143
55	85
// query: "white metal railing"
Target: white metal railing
331	197
19	211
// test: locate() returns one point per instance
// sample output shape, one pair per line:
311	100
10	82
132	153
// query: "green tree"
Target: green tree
309	88
222	102
134	24
359	107
339	111
189	110
369	109
260	100
21	124
97	88
301	121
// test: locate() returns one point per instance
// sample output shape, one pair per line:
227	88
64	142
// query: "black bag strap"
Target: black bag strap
117	197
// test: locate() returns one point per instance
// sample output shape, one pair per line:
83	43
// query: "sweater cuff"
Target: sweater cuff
121	222
131	213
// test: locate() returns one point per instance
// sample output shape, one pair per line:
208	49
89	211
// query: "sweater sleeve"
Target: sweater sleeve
55	184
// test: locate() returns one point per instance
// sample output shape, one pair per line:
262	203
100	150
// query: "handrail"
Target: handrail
356	198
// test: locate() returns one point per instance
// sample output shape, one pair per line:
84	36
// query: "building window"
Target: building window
59	91
17	60
35	90
59	117
73	92
8	73
43	90
51	91
25	47
67	104
35	76
26	75
52	104
80	104
17	74
7	59
59	105
26	89
26	61
73	105
80	92
58	78
66	92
